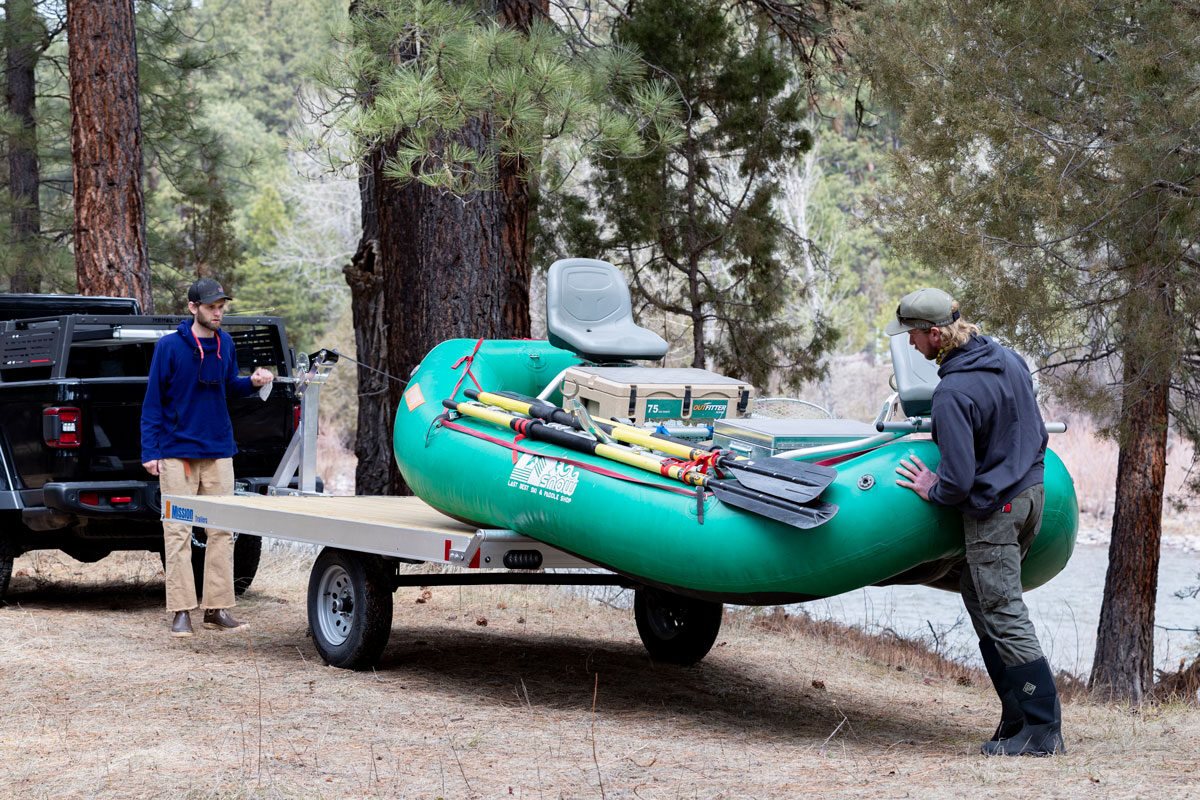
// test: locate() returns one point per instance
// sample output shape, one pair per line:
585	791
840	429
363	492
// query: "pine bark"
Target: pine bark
106	150
1123	668
376	472
21	42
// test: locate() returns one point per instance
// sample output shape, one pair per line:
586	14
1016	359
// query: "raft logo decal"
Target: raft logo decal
544	477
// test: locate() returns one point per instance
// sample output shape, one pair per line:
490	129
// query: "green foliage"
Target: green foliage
696	223
1052	165
451	91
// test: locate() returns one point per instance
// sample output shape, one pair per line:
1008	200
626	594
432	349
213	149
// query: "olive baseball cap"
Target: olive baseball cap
206	291
922	309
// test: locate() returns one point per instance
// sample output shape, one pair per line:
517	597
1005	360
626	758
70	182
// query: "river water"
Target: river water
1066	611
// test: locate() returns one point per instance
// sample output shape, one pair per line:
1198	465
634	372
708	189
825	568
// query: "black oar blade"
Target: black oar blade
798	481
798	515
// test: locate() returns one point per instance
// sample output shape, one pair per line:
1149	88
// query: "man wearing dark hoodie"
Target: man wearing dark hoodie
992	445
187	441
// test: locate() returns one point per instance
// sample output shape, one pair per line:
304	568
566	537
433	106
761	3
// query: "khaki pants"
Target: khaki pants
197	476
991	584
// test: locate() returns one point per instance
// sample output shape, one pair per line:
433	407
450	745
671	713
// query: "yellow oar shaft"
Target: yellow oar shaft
648	463
620	432
622	455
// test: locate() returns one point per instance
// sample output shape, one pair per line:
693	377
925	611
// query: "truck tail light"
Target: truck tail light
61	427
89	498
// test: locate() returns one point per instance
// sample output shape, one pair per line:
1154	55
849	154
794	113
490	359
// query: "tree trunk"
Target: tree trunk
376	472
106	150
23	31
450	267
1123	668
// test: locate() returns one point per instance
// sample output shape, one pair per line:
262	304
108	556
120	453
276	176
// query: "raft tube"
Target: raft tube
646	529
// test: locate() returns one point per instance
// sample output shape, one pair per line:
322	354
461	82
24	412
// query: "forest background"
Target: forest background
250	178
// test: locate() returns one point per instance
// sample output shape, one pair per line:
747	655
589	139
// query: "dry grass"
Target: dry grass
553	698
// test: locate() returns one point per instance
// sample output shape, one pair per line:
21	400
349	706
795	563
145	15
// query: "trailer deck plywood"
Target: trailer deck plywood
403	527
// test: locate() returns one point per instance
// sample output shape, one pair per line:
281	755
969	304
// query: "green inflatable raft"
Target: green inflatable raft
659	533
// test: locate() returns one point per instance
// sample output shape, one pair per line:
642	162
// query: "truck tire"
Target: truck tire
6	568
675	629
349	607
247	552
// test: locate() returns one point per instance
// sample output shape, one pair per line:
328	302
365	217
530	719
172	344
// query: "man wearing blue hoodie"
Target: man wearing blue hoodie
187	441
992	445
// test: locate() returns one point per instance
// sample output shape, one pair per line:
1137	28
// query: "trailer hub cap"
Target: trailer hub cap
335	609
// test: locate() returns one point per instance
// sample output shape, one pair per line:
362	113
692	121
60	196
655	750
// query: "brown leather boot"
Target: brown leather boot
182	625
219	619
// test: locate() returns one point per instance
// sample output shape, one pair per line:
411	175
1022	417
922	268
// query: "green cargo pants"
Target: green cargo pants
991	584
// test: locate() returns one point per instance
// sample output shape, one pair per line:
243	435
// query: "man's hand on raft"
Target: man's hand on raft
261	377
919	477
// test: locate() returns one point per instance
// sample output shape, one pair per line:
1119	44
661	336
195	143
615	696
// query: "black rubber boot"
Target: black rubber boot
1041	735
1011	719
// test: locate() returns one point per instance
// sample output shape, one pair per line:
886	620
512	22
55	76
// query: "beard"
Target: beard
210	323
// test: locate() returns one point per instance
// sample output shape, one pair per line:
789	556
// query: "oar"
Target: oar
798	481
729	492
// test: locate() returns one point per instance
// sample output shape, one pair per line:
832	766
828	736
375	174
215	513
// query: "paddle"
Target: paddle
798	481
730	492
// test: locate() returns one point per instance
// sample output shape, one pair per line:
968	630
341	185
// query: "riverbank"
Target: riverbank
508	692
1179	532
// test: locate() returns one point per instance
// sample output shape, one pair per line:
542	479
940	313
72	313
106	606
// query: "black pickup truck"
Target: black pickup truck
72	380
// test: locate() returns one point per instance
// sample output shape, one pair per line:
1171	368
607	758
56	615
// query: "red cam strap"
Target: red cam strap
469	359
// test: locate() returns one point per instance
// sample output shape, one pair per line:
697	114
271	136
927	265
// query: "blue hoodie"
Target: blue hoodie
184	414
988	428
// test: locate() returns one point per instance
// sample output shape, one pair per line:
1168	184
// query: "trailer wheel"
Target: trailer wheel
247	552
675	629
349	608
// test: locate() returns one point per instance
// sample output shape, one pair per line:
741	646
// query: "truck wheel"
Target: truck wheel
247	552
349	607
675	629
6	568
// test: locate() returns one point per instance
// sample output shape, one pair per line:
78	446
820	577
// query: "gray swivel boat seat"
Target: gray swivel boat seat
588	312
916	377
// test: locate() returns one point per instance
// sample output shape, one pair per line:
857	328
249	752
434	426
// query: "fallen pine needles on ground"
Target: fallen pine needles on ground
553	698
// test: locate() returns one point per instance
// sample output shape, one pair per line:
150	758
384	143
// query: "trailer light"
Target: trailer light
295	417
61	427
89	498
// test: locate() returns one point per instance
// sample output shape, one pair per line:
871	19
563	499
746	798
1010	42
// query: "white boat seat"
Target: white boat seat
588	311
916	377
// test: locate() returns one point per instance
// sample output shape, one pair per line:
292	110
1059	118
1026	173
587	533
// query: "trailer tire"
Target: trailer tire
675	629
247	552
349	607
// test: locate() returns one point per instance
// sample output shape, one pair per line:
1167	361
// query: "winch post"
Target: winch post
301	453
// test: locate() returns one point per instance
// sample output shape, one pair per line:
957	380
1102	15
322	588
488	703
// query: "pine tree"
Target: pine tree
697	224
452	109
106	151
1051	168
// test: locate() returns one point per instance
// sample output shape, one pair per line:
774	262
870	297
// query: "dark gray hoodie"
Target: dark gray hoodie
988	428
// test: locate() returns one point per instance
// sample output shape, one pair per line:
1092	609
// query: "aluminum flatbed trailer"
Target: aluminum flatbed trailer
366	541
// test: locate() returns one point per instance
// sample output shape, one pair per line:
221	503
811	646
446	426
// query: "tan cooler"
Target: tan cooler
652	394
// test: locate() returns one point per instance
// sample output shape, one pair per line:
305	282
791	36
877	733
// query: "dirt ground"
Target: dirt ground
553	698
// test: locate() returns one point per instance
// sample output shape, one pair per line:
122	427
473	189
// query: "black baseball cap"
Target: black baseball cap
205	291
